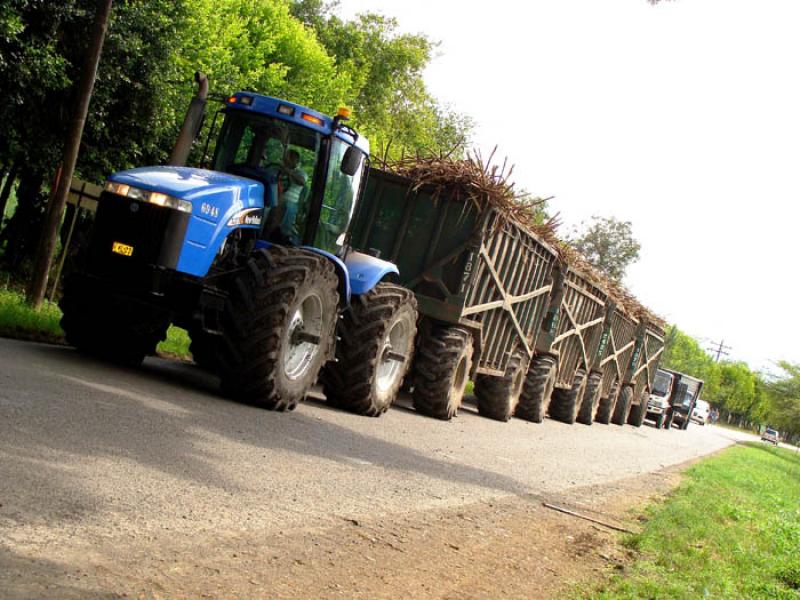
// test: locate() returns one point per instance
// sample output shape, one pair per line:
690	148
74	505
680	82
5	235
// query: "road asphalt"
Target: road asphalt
91	452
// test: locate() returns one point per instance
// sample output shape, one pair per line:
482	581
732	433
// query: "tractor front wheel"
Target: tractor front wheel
278	327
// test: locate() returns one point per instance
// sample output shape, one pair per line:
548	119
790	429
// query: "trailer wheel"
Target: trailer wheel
539	383
668	420
278	327
441	370
623	406
605	407
203	349
638	411
374	352
660	421
591	398
498	396
565	403
108	326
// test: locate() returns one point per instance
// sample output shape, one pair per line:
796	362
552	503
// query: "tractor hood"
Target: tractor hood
194	184
216	199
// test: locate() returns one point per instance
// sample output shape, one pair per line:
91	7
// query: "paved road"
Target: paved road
93	452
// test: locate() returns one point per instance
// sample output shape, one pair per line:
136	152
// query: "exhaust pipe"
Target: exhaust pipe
191	123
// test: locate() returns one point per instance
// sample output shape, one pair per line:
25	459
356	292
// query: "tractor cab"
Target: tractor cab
311	167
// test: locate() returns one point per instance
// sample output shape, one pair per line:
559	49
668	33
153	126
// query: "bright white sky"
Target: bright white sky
683	118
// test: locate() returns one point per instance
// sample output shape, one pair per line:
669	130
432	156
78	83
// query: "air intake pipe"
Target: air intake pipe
191	123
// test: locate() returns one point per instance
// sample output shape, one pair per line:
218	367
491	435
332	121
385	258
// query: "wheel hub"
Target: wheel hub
303	337
392	356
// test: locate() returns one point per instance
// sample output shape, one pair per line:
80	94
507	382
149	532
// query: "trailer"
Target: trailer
566	347
482	284
631	405
611	361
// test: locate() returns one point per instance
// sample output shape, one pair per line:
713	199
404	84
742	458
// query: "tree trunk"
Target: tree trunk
55	206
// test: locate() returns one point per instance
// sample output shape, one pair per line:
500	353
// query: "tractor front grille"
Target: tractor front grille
154	235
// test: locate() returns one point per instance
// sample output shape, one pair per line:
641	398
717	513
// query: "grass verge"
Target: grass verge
731	530
18	320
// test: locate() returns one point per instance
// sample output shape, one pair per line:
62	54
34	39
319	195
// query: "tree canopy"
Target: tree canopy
608	244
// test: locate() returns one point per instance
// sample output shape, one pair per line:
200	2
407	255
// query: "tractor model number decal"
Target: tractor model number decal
209	210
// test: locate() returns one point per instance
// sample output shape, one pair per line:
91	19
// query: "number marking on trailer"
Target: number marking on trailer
123	249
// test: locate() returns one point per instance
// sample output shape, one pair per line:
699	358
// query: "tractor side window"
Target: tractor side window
338	202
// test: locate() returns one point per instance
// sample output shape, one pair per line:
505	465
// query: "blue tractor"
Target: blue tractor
252	257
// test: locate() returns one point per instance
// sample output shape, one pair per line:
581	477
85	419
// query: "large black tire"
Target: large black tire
498	396
375	350
565	404
109	326
660	421
669	418
278	327
203	348
539	383
623	406
441	370
638	411
591	399
605	408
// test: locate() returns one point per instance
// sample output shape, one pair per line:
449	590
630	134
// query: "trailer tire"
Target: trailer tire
498	396
605	408
639	412
660	421
281	296
108	326
366	377
623	406
591	399
668	420
566	403
539	383
441	371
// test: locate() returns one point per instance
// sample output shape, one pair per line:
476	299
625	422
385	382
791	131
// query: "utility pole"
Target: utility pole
719	348
58	199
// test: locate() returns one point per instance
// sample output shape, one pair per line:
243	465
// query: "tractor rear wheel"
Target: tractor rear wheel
109	326
374	352
441	370
638	411
498	396
278	327
591	398
623	406
565	404
539	383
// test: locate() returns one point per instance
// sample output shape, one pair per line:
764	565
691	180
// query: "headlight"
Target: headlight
157	198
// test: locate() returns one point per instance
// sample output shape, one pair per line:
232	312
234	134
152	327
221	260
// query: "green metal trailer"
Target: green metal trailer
482	283
568	342
631	405
611	360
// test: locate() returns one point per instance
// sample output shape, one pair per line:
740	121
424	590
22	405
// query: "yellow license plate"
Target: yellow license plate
123	249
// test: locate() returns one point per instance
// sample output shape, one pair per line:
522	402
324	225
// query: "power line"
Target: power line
719	349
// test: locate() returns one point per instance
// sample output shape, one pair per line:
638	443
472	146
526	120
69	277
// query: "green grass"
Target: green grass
18	320
731	530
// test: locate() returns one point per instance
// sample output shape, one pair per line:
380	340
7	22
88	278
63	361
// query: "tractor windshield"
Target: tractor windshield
283	157
338	203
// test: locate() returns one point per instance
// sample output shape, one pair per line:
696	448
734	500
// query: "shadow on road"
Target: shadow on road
169	417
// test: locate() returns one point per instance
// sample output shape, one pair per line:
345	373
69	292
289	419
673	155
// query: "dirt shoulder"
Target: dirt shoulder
512	548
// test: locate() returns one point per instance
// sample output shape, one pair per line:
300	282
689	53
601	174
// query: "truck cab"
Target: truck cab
659	402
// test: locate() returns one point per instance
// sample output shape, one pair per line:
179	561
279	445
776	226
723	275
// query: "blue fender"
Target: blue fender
367	271
341	269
